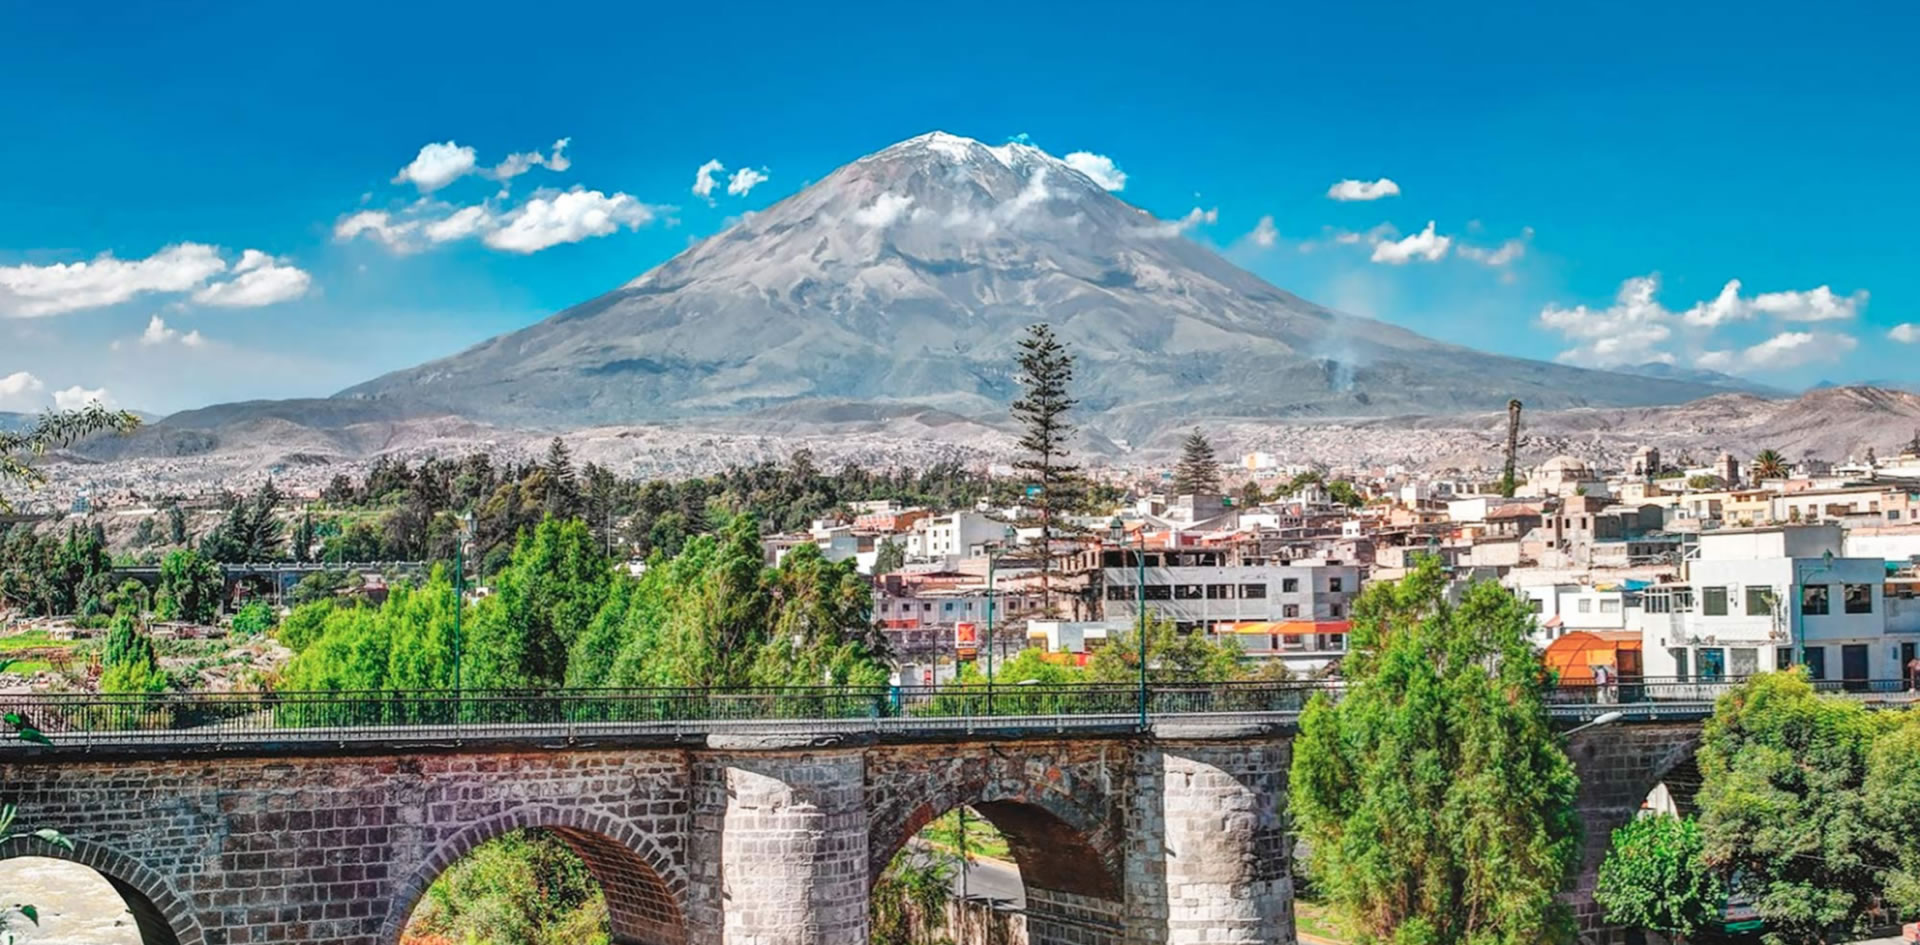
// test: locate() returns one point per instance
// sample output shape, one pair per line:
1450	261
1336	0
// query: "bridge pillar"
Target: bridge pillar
1208	862
779	845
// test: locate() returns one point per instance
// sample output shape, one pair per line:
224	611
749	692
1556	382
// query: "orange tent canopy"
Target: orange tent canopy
1575	655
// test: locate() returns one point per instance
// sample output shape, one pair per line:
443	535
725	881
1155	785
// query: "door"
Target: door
1853	667
1907	653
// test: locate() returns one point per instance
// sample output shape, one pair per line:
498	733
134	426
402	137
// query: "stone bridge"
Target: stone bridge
1122	838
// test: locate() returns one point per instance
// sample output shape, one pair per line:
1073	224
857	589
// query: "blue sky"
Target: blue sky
1631	159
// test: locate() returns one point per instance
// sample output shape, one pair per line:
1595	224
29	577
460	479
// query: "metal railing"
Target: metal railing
235	719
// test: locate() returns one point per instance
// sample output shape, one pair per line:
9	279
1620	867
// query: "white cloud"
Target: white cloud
1630	331
458	225
380	226
436	166
259	279
76	397
524	161
884	210
28	291
1363	190
703	180
1795	348
744	180
1425	245
1906	333
569	217
1501	255
1194	218
1814	305
1265	234
1099	168
19	390
158	333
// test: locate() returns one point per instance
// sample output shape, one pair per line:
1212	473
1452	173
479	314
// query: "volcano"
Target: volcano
904	279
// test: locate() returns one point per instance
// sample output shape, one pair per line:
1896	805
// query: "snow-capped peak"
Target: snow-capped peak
959	149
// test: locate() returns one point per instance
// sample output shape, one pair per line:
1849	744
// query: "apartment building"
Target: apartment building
1752	597
1298	611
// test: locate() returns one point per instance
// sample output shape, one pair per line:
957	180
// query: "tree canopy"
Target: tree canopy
1198	472
1655	877
53	429
1434	795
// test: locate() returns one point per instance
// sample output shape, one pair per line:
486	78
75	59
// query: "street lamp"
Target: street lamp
1008	537
1118	530
1799	631
1604	718
459	597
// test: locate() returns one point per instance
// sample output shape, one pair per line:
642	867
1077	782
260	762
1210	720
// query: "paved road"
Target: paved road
996	880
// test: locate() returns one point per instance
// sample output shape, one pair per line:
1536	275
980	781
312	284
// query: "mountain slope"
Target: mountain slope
907	276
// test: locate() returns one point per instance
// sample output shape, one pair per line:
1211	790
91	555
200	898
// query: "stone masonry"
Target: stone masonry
1174	839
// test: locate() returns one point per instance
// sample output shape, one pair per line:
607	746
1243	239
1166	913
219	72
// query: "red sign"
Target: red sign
966	640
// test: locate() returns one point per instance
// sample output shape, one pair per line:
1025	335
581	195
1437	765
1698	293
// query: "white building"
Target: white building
1560	609
1298	612
1753	596
952	536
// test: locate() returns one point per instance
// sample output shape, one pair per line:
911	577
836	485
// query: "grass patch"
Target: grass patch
982	839
1319	920
30	640
26	667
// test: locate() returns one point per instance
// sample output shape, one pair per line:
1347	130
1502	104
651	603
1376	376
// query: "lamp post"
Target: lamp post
1119	534
1007	539
459	600
1798	633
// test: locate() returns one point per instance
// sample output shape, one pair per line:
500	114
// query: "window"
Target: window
1334	585
1783	657
1610	605
1584	606
1713	603
1119	592
1333	610
1113	559
1289	611
1817	660
1289	585
1539	606
1813	601
1713	664
1859	598
1759	600
1189	591
1253	591
1159	592
1219	592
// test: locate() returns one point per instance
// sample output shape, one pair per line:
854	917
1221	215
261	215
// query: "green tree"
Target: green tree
562	496
889	557
53	430
252	530
1172	656
523	888
130	664
176	524
1434	796
1046	371
1769	464
1655	877
146	533
549	592
190	588
1343	492
1893	803
1782	806
1199	470
253	619
305	623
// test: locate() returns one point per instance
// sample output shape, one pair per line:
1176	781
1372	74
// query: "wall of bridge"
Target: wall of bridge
1169	840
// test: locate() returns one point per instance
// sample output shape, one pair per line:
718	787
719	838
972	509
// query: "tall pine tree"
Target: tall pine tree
1046	368
1199	469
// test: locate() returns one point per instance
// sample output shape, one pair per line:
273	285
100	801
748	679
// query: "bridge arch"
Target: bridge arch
644	887
1064	845
159	913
